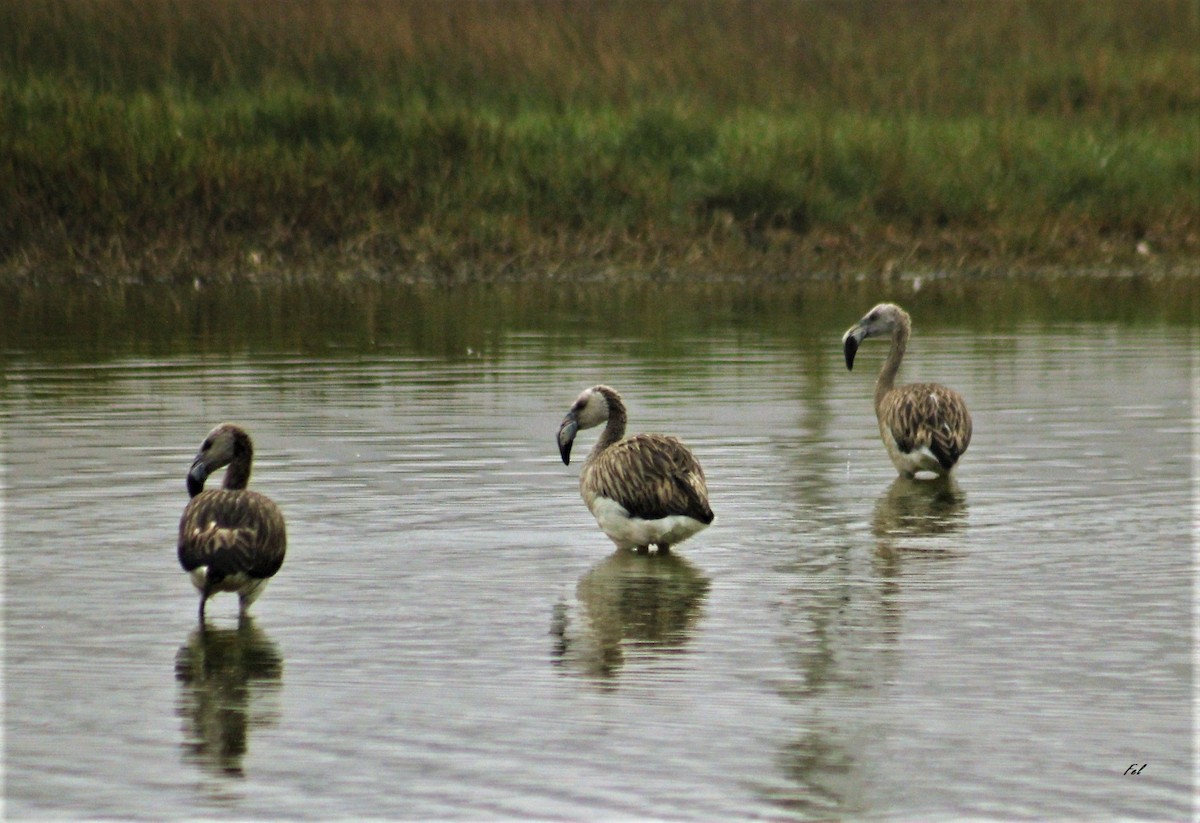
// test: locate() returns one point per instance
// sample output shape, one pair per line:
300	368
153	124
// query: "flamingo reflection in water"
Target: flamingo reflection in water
628	606
229	682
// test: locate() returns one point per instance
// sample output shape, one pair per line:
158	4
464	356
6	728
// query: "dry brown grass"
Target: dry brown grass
428	138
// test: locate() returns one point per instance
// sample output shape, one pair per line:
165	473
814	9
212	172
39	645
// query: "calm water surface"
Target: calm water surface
451	636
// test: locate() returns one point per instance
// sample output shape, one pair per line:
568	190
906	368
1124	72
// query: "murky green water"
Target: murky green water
452	637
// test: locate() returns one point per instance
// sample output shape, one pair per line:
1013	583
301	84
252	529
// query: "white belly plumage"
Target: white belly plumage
909	463
247	587
633	532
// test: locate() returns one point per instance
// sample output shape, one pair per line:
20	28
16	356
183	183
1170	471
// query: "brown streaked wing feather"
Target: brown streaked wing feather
232	531
931	416
653	476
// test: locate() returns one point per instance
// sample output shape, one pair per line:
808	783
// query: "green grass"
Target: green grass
156	141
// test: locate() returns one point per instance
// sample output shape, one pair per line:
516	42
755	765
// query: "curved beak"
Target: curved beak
850	342
196	476
566	436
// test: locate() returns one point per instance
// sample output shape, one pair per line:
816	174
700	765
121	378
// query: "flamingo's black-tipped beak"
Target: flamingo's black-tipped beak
196	476
566	437
850	341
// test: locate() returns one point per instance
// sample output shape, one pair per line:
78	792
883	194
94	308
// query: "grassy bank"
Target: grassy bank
423	140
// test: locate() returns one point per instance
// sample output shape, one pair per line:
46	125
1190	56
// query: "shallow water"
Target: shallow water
451	636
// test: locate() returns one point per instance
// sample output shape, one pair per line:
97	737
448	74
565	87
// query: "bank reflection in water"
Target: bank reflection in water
628	605
229	682
919	509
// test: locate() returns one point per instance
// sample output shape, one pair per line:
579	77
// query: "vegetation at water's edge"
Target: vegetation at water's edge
164	141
